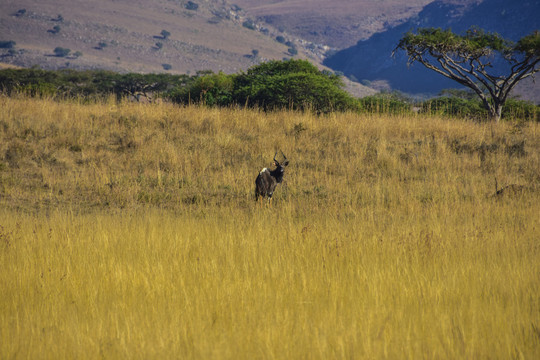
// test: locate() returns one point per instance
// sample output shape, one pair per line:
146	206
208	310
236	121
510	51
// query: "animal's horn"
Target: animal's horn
277	163
285	160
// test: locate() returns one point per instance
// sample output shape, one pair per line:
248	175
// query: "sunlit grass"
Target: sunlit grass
130	231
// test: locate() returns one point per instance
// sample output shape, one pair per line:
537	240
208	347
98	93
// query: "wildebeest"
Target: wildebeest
267	180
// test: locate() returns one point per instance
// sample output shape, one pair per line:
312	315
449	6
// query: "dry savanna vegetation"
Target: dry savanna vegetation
131	231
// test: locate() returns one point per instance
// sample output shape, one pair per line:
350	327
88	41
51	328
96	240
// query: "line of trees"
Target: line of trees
291	84
91	84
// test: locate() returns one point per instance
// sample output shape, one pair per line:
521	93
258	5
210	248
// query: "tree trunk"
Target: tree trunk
498	111
494	110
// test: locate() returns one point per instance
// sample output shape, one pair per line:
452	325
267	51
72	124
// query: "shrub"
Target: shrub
249	24
384	103
280	39
208	88
190	5
466	107
61	52
7	44
20	12
295	84
520	110
55	30
166	66
454	106
165	34
292	51
90	83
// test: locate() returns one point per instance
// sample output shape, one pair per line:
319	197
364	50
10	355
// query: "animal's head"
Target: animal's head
281	166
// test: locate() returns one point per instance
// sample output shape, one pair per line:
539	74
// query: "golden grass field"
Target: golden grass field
129	231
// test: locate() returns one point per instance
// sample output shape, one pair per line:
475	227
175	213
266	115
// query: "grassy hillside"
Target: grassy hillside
130	230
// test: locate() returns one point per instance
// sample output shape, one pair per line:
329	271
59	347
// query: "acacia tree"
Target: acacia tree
470	60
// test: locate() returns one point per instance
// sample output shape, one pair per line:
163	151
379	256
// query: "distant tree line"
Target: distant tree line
91	84
290	84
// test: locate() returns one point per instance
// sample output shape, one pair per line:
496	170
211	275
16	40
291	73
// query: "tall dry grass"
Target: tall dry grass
130	231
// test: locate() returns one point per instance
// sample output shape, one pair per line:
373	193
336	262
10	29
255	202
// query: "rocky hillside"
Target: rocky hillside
338	23
370	61
136	35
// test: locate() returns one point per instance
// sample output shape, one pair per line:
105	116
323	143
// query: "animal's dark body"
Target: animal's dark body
267	180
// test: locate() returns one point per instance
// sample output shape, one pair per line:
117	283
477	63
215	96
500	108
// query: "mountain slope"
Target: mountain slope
203	36
337	23
371	59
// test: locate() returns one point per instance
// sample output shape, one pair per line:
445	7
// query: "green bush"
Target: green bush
7	44
208	88
88	84
454	106
520	110
190	5
20	12
61	52
472	108
165	34
56	29
295	84
34	82
384	103
248	24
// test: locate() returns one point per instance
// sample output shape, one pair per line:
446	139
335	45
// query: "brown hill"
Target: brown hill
208	37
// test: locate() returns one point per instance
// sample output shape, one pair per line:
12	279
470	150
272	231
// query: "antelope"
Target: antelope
267	180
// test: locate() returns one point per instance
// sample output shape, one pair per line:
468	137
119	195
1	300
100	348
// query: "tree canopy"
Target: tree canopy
292	84
295	84
485	62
